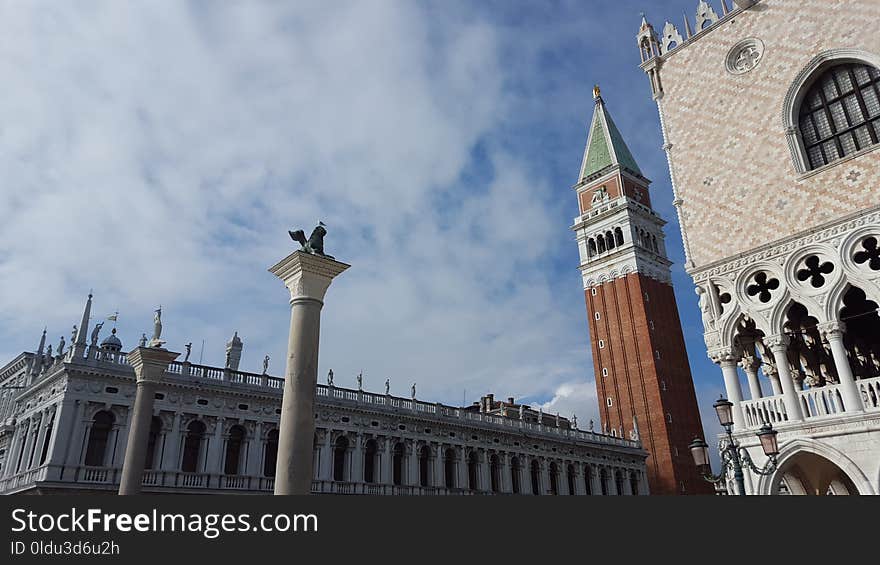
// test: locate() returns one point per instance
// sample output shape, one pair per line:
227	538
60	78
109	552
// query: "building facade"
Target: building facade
770	112
64	428
643	378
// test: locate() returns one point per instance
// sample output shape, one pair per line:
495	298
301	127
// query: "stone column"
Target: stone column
307	277
255	451
357	460
171	453
504	473
78	435
325	472
215	452
732	386
12	457
415	470
778	344
771	373
63	423
149	365
750	365
463	479
438	480
852	400
387	463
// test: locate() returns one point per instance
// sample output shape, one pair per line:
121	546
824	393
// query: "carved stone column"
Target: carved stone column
171	453
731	384
750	365
778	344
149	365
834	331
307	277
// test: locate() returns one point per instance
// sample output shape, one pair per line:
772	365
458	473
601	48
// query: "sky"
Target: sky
156	153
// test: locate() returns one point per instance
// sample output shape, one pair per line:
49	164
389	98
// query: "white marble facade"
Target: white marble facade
66	428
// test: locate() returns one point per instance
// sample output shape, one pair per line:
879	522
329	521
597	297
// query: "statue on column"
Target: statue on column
591	425
73	333
315	244
188	347
228	359
521	411
387	386
61	348
95	332
143	341
157	329
557	419
49	355
574	421
265	364
541	415
360	380
414	391
330	378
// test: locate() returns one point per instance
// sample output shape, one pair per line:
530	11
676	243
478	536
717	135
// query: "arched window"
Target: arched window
449	468
591	247
654	244
424	464
618	482
536	477
233	450
271	458
588	479
397	462
600	242
609	239
494	476
339	449
152	442
472	470
603	481
840	113
370	450
96	450
46	441
634	483
554	479
571	480
514	475
192	446
618	236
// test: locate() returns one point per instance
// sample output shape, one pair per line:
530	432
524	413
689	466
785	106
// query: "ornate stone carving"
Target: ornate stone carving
745	56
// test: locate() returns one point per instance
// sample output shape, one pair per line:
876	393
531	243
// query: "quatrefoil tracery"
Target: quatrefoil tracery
815	271
763	287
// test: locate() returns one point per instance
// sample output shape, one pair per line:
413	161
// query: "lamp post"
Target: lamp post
732	455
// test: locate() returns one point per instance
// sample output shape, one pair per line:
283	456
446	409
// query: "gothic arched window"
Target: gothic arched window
339	450
618	236
840	113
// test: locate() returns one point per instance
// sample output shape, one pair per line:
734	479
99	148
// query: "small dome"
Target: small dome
111	342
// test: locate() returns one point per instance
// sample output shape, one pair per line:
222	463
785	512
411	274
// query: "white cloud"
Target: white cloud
574	398
158	153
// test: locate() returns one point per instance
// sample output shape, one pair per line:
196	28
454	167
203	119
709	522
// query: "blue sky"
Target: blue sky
158	152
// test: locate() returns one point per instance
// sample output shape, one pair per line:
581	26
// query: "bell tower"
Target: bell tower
643	379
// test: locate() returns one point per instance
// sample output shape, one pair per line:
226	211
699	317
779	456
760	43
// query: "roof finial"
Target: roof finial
597	92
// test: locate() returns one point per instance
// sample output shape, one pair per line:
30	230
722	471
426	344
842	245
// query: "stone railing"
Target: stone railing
816	403
275	385
870	392
766	410
341	487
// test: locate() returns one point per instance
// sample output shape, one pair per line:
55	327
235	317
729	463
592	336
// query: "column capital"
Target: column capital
724	356
150	363
777	342
833	330
307	276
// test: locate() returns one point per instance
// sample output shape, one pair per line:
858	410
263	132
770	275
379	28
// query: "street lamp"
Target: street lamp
732	455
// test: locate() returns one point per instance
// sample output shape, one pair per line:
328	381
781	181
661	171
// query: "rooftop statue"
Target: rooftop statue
315	244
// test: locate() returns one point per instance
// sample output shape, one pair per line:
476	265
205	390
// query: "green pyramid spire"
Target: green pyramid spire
605	146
